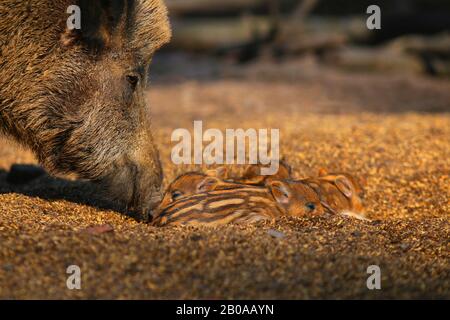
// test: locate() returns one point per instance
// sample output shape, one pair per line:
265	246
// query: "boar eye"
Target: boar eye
311	206
176	195
133	81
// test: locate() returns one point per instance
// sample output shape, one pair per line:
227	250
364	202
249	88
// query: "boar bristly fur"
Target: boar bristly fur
76	97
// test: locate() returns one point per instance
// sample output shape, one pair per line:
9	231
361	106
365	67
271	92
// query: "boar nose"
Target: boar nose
157	198
136	184
146	197
154	200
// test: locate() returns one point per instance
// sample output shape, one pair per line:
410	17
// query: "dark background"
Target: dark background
414	38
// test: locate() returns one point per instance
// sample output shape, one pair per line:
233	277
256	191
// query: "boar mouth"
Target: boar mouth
134	187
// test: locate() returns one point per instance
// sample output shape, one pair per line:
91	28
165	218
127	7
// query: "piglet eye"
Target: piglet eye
311	206
133	80
176	195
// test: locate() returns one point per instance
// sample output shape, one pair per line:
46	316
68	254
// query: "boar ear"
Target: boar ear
280	191
207	184
344	185
322	172
219	172
99	20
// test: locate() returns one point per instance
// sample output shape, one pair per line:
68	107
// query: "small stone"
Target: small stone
98	229
276	234
405	246
8	267
356	234
196	237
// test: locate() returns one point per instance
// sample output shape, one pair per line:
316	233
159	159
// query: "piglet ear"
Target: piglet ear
208	184
251	171
280	191
284	170
362	181
219	172
322	172
344	185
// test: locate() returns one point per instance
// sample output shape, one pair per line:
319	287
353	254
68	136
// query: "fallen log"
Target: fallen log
197	34
381	59
316	34
207	35
434	51
438	45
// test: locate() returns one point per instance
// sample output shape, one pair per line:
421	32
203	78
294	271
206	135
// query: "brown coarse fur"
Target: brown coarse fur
75	97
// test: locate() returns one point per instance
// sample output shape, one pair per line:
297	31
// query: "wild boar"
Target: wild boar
76	96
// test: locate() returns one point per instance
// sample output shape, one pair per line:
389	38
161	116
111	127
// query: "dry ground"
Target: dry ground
394	131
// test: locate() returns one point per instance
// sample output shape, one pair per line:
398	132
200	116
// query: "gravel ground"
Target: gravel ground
392	131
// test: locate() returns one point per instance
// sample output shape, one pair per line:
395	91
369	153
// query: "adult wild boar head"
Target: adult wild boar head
76	97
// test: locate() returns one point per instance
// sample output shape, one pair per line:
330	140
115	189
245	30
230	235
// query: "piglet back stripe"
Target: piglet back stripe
240	205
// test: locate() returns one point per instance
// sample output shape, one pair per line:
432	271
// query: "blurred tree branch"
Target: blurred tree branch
303	9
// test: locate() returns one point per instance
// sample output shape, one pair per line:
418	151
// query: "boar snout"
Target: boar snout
136	184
